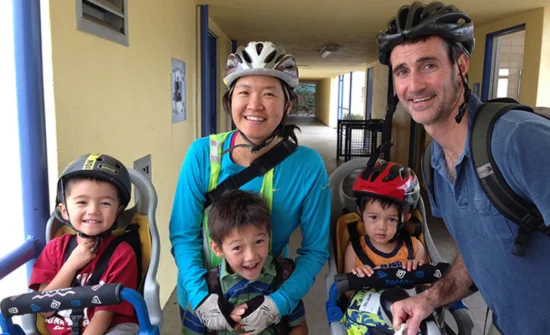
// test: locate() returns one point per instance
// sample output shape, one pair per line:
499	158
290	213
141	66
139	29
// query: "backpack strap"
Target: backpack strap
284	268
355	240
257	168
503	198
214	286
428	170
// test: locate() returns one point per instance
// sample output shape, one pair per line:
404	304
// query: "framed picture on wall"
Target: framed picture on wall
179	111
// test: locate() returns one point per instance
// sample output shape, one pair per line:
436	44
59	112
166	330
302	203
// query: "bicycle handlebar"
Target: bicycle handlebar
392	277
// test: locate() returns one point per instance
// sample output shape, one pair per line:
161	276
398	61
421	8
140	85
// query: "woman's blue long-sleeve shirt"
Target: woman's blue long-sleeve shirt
301	197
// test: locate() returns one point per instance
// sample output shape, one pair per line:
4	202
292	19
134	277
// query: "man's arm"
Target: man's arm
454	286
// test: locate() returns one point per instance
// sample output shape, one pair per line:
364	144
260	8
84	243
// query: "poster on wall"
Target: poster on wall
178	91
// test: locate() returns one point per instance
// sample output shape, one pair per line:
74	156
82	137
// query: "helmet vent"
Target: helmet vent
374	175
117	166
271	56
279	58
100	159
259	48
247	57
239	58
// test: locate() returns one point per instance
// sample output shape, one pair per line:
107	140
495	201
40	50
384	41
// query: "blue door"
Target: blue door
213	82
370	79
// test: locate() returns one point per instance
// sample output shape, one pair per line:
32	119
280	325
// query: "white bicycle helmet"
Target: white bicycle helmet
261	58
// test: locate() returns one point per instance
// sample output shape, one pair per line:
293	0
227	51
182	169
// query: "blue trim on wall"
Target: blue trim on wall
369	93
32	125
233	46
205	72
24	253
340	97
350	91
213	81
488	57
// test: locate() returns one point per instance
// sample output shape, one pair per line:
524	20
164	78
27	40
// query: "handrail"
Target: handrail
21	255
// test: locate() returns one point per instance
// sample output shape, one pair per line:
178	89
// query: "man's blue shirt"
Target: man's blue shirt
514	287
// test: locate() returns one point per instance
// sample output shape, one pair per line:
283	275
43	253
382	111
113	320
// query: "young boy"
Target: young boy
385	195
91	194
240	230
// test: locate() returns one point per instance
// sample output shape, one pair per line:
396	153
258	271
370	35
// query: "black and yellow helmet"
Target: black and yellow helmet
101	167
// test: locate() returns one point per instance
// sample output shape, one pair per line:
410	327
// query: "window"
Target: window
502	86
104	18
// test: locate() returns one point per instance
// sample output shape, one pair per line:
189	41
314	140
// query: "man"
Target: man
427	48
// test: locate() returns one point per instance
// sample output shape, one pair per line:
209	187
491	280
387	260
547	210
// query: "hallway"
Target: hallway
318	136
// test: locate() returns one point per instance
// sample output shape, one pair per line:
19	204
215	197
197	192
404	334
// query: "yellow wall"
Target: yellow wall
543	98
380	90
401	119
533	21
116	99
322	100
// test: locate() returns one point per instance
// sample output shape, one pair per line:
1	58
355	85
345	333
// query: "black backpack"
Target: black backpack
503	198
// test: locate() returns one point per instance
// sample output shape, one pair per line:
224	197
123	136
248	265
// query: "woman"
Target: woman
261	78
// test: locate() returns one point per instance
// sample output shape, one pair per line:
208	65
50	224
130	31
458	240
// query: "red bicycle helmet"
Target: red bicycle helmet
389	180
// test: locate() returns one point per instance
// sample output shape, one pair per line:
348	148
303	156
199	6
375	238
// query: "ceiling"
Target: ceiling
302	27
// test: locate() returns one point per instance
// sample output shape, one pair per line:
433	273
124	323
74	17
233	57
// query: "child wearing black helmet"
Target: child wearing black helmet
92	192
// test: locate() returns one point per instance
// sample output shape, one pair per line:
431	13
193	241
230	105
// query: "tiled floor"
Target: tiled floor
316	135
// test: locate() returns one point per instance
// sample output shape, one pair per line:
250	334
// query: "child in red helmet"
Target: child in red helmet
385	195
385	192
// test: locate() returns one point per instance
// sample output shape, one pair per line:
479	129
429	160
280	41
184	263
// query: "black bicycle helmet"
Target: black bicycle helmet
97	166
418	20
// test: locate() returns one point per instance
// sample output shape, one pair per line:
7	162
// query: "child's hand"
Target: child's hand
82	254
411	264
237	313
362	271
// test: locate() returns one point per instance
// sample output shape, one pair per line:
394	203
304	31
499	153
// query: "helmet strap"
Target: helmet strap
467	94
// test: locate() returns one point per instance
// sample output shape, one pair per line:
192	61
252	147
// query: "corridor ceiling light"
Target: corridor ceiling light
327	49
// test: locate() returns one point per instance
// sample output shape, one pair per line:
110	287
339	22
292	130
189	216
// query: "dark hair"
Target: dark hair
237	210
282	130
453	50
384	202
69	183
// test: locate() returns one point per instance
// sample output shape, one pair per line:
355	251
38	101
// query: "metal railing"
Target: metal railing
358	138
